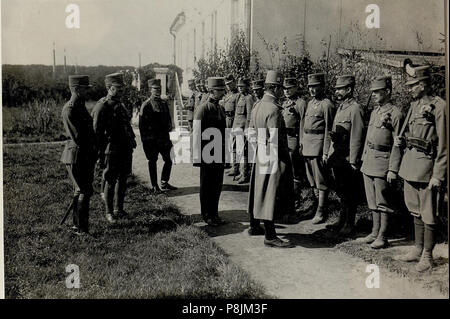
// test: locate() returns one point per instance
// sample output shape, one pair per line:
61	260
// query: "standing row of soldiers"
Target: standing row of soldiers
330	146
106	137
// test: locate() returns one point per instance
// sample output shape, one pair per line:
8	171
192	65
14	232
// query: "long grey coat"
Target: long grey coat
271	190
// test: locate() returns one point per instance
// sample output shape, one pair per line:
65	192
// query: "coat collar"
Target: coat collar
345	104
269	98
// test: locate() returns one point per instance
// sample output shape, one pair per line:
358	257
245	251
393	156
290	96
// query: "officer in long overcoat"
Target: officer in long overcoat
80	151
424	163
272	170
381	160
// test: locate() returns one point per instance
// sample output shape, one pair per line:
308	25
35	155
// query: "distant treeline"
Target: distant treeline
28	83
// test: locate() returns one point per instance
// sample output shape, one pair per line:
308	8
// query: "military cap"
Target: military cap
273	77
316	79
417	74
243	82
216	83
258	84
154	83
79	80
230	78
289	83
114	79
382	82
344	80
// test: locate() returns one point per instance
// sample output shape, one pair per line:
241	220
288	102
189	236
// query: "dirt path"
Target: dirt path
313	269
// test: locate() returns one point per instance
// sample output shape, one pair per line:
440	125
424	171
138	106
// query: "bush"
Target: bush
36	118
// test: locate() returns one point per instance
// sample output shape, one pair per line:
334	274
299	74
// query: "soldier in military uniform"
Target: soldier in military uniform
381	160
191	103
266	195
229	104
258	89
80	152
117	141
424	163
293	111
155	125
205	93
347	141
210	116
241	121
315	141
199	95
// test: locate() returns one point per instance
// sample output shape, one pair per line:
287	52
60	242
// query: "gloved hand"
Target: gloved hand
324	158
391	176
434	183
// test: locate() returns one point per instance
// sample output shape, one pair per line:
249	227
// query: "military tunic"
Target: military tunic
380	156
271	189
425	156
209	115
293	111
346	149
240	124
79	155
117	141
315	140
155	125
229	104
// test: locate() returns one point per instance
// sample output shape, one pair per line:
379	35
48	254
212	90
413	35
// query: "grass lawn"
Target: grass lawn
155	254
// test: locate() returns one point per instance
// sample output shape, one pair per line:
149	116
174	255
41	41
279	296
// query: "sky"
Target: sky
112	32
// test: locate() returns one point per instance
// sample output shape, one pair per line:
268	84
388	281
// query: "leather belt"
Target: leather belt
379	147
292	131
317	132
229	113
420	145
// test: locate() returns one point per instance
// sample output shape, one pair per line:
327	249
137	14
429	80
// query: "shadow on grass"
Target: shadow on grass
154	254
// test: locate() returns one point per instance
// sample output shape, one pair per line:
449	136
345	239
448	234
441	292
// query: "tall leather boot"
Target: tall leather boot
426	260
153	176
376	220
297	194
349	224
75	213
83	211
381	241
320	212
109	202
119	197
416	252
